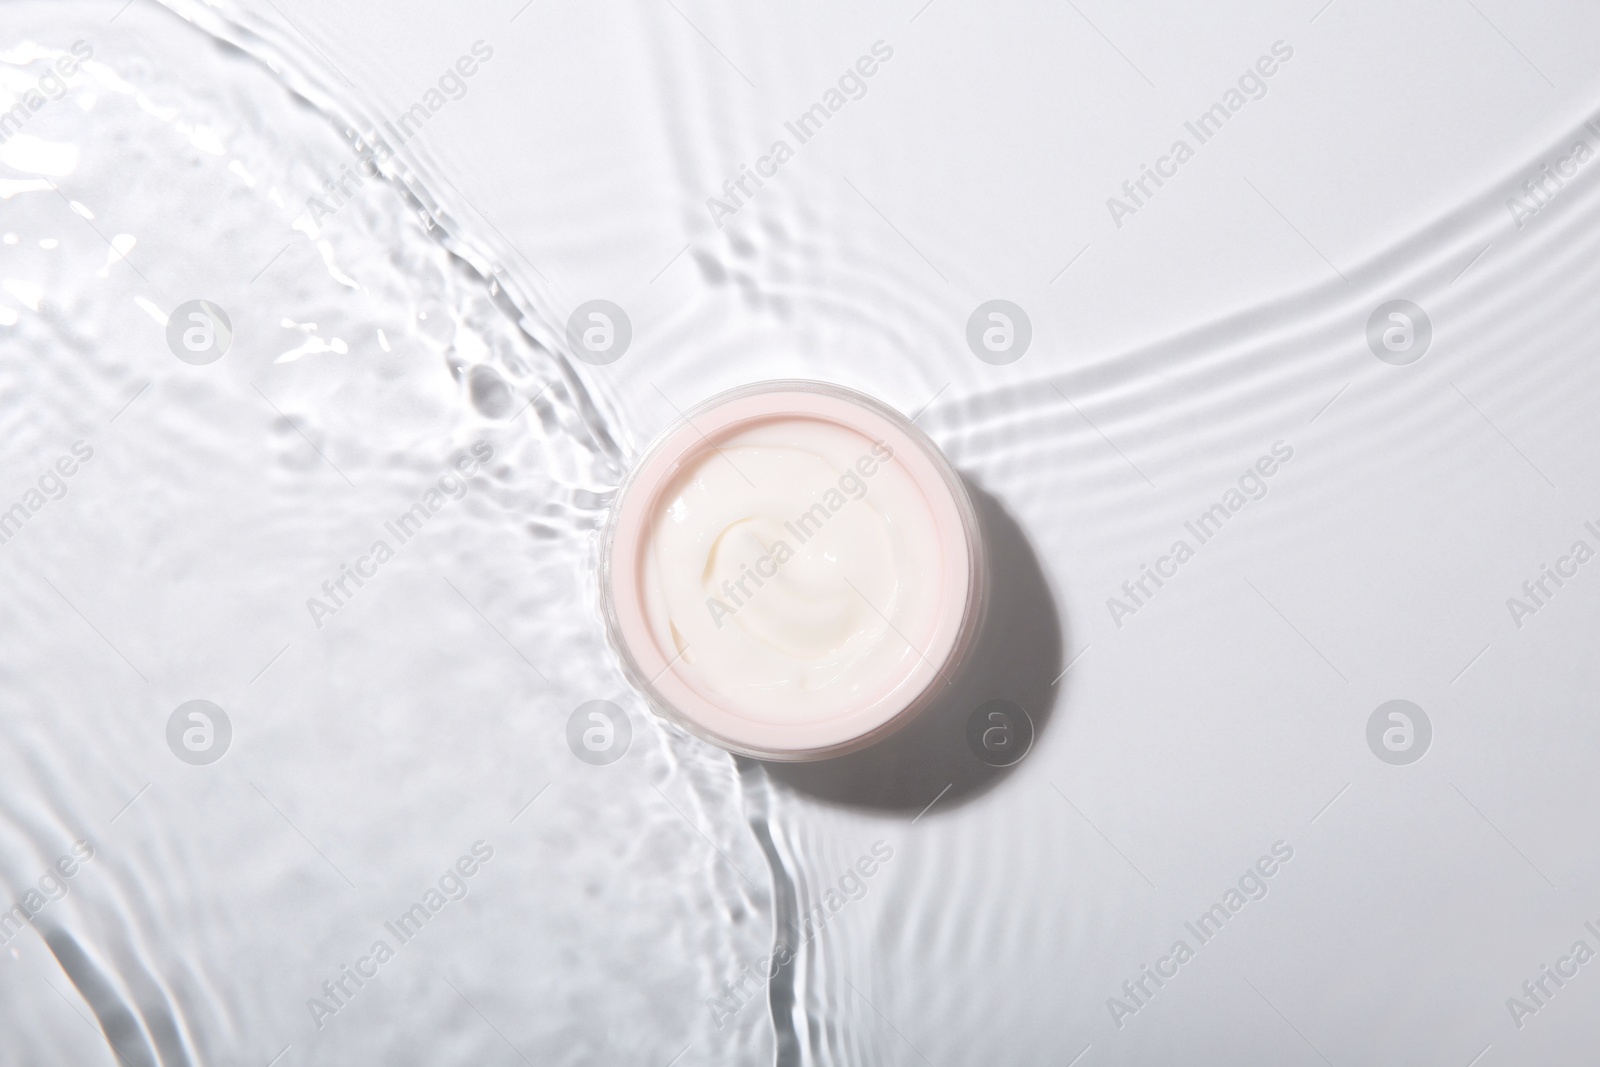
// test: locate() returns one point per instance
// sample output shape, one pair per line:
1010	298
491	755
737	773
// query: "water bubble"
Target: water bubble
490	394
435	323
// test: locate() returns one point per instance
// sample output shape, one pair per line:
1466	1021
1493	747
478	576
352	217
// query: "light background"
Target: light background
1167	355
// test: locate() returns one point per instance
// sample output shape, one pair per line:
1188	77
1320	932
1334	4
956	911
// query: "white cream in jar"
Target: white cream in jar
792	571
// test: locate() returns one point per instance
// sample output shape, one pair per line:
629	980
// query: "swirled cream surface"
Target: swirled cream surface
790	565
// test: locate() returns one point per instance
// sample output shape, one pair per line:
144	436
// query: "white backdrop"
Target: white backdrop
1187	731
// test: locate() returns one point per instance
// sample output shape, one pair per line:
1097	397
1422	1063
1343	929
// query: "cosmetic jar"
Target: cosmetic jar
792	571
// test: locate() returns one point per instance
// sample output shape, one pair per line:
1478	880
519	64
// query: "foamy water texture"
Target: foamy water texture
1280	746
